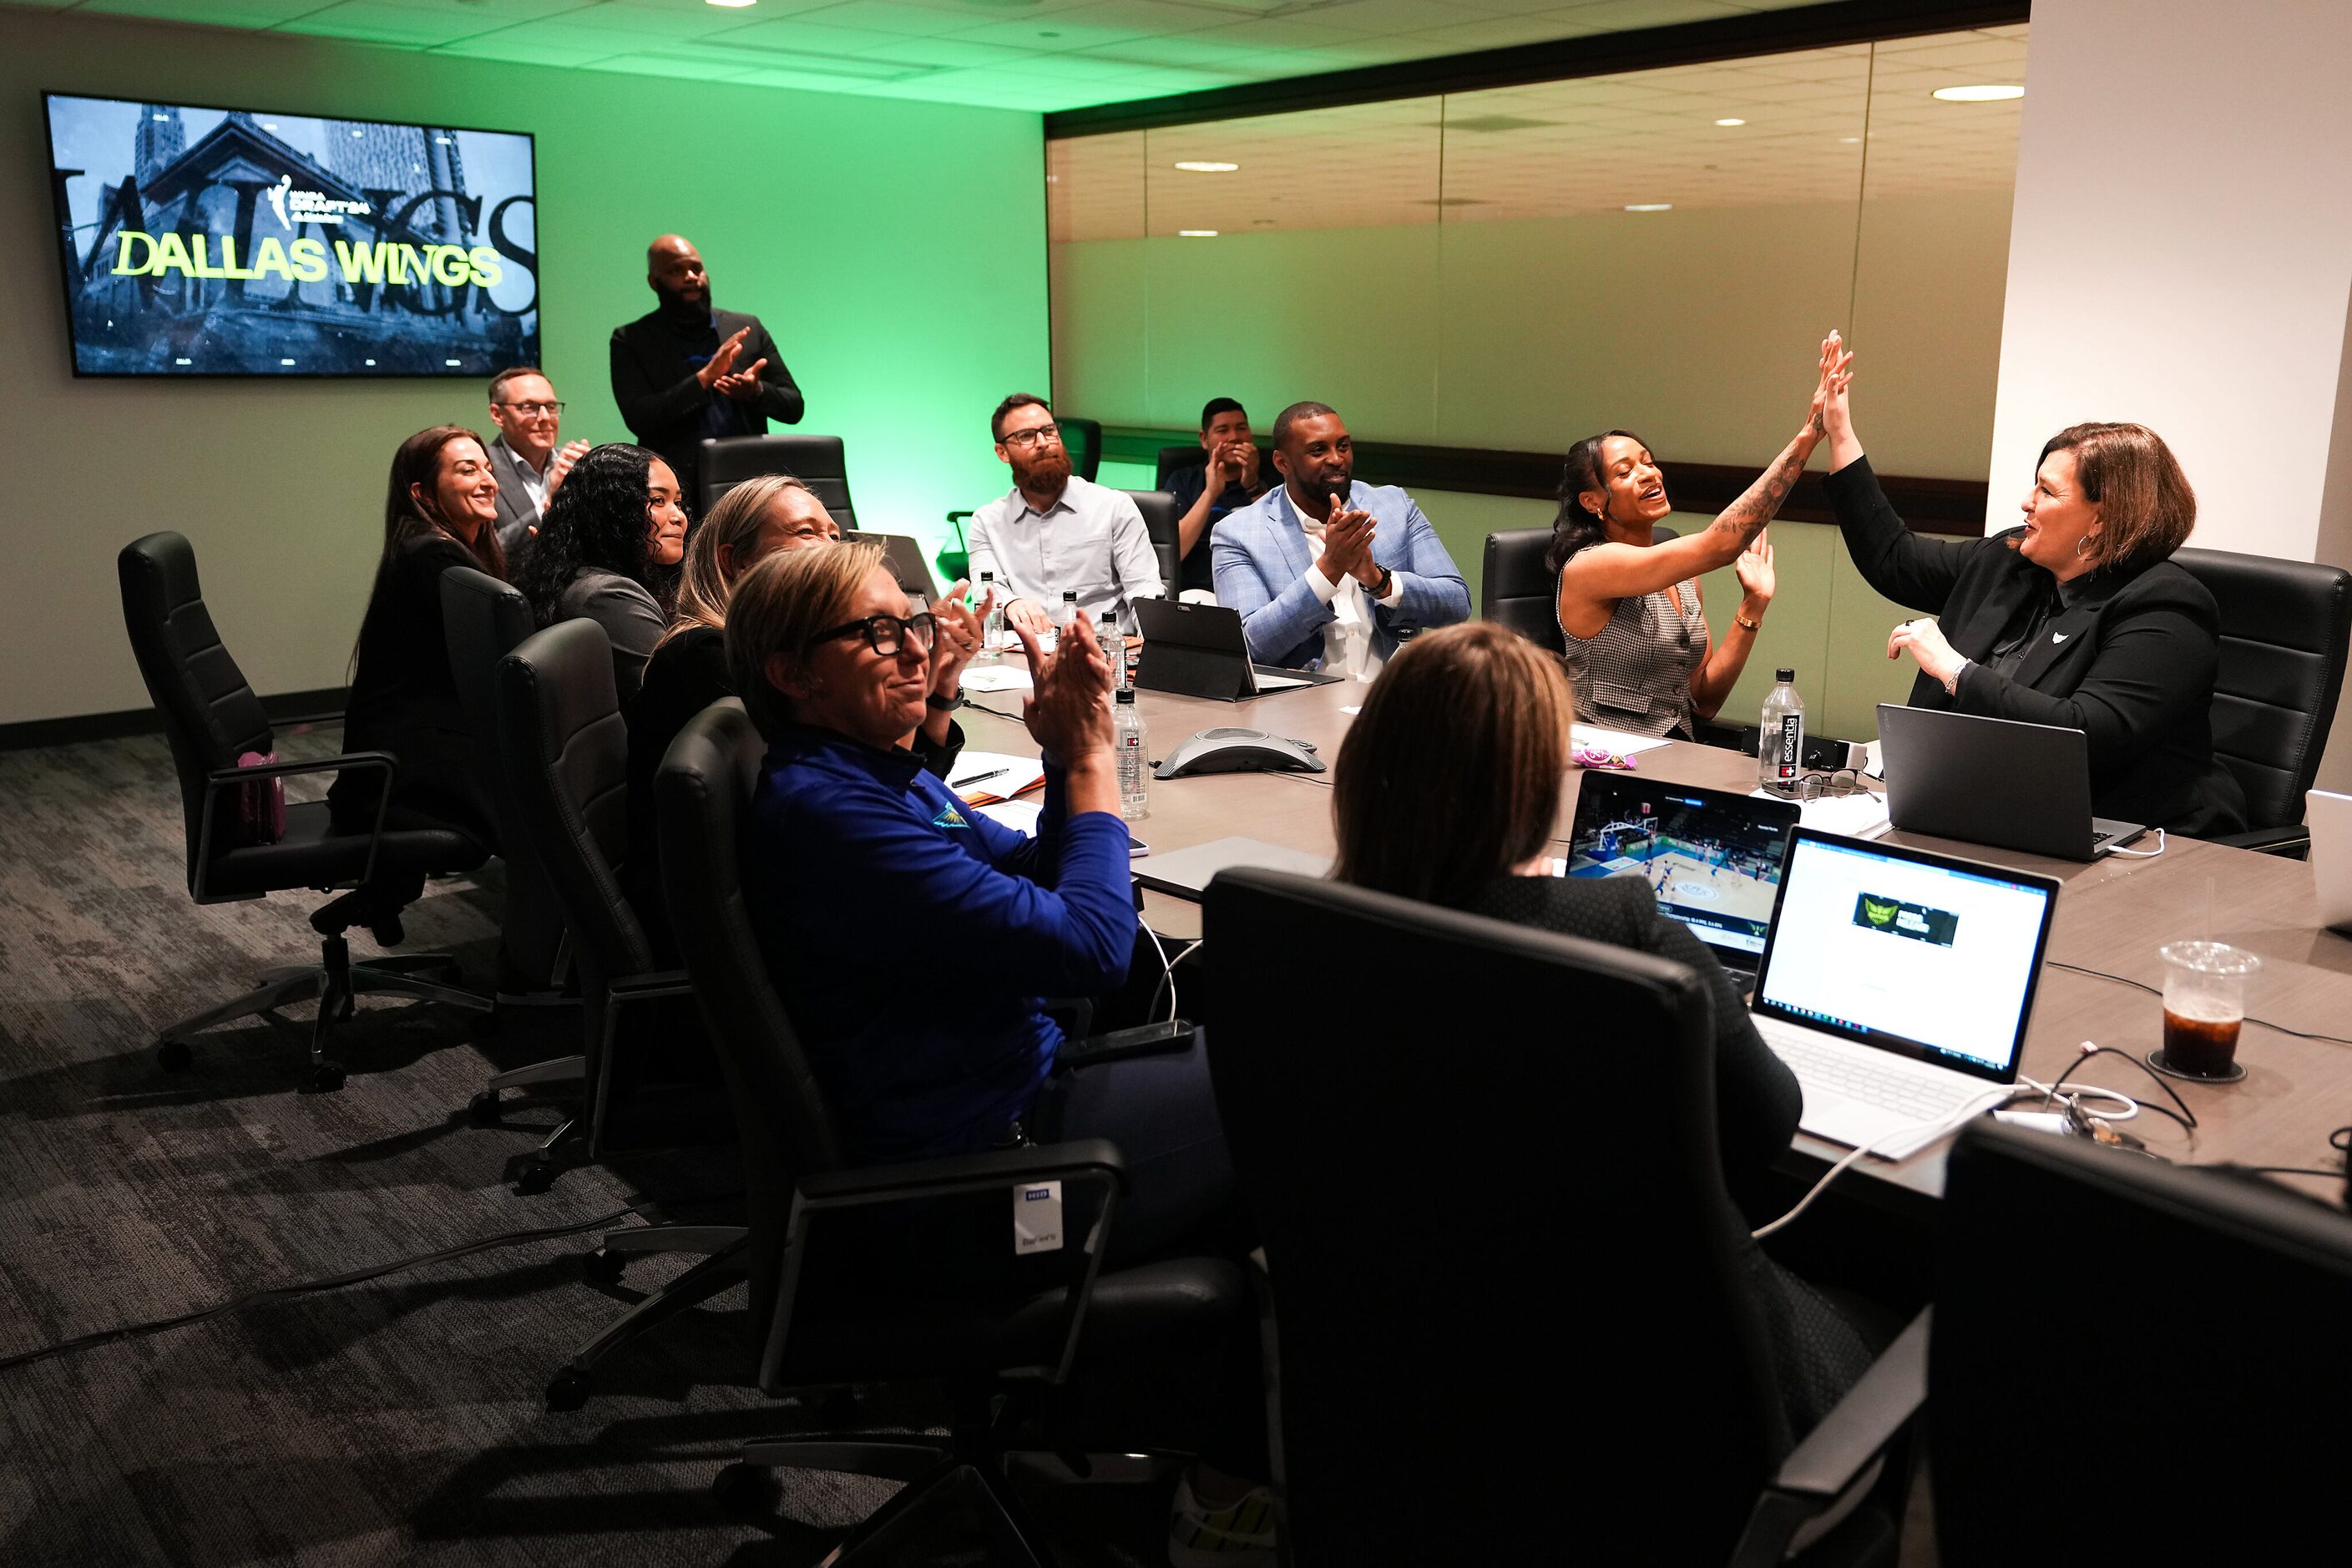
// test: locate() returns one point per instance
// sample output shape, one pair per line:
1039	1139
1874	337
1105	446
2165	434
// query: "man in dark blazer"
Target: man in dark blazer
525	456
683	372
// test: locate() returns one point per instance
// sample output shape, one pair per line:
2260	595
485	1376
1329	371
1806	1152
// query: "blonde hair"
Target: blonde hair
780	604
1450	777
733	525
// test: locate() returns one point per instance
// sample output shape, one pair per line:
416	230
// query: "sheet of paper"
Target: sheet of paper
1357	709
980	777
1279	682
1853	815
1621	742
1011	675
1021	816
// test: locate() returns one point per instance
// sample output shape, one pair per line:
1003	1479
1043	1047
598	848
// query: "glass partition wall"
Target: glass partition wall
1509	269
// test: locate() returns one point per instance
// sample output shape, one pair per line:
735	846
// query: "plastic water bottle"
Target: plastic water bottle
1780	737
1068	615
991	637
1114	648
1134	757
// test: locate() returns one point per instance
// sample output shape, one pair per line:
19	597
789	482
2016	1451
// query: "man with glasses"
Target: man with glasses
525	456
1055	532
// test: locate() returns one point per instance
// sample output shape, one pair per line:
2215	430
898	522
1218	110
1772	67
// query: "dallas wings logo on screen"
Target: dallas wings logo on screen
202	241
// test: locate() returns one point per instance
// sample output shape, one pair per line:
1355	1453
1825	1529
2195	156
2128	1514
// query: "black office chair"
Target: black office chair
817	461
2156	1356
1516	590
1172	460
1082	440
1160	520
2284	630
827	1322
212	717
1508	1289
483	619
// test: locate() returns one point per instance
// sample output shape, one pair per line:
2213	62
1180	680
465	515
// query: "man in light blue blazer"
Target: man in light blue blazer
1320	551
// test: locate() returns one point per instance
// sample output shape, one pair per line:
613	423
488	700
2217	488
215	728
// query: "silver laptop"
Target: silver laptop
1186	873
1897	983
1994	781
2329	818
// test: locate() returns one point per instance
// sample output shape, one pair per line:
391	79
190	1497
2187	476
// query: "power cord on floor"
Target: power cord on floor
2159	991
312	1287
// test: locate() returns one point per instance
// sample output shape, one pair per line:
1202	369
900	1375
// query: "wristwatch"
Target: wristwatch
938	704
1381	589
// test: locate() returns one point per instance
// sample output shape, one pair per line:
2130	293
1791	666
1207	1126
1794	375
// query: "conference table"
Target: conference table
2112	915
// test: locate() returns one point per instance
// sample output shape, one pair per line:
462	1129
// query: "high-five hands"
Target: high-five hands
1833	410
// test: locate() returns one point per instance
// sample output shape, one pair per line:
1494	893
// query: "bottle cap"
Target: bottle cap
1787	675
1124	694
1069	595
988	576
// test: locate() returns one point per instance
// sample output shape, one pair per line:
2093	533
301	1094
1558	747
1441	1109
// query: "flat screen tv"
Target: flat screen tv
237	242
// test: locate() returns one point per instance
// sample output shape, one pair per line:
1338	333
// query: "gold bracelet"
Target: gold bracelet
1739	620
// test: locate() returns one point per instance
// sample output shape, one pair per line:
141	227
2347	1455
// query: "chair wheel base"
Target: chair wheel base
604	1267
326	1078
741	1489
173	1056
535	1180
484	1110
568	1390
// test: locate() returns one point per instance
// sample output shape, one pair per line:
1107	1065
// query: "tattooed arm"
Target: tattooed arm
1595	578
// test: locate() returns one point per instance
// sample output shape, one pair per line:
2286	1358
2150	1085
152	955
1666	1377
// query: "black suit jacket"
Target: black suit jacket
404	700
653	362
2131	663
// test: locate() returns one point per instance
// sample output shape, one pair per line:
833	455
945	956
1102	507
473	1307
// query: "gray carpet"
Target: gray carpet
399	1421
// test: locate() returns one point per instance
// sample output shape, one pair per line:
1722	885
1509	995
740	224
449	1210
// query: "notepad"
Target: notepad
1851	816
982	777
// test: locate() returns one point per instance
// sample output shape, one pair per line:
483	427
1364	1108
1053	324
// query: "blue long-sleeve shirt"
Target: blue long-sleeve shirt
912	939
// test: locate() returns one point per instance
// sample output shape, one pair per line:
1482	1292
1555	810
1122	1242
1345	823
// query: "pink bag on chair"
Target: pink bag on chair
261	802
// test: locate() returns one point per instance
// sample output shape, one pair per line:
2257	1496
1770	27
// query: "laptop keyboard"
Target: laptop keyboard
1914	1095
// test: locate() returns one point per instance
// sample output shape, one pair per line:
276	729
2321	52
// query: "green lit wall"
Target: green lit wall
895	250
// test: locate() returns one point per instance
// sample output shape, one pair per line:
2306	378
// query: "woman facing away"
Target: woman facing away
1478	717
2079	618
606	550
1630	615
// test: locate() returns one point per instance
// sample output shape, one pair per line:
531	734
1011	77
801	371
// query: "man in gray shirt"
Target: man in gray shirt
1056	532
529	463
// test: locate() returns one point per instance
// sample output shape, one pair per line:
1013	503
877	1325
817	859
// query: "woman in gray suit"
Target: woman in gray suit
609	550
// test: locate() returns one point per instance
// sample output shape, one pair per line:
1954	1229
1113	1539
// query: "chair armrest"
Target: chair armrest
219	778
1835	1455
652	985
962	1173
2293	841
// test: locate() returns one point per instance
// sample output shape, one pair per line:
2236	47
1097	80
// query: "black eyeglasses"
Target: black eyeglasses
534	408
887	634
1032	435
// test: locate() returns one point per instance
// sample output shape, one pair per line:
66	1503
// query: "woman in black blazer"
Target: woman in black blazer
440	510
2080	618
1478	718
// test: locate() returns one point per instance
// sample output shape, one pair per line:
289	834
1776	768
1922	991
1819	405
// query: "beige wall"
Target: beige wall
904	318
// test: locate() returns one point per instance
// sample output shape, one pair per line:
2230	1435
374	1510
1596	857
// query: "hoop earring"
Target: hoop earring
2081	554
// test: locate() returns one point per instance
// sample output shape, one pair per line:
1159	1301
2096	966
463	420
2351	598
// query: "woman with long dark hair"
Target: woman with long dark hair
440	509
608	549
1638	648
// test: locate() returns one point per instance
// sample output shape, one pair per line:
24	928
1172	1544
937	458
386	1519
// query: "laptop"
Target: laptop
1896	984
1187	873
905	559
2000	781
2329	818
1198	650
1713	859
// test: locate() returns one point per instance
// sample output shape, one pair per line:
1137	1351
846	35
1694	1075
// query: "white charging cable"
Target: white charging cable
1949	1124
2144	854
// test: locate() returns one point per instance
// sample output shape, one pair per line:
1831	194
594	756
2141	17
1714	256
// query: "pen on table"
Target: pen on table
980	778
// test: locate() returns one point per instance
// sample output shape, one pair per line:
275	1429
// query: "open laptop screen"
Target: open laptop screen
1712	858
1927	955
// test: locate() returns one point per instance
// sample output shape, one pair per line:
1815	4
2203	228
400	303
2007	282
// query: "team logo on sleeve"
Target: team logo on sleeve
949	818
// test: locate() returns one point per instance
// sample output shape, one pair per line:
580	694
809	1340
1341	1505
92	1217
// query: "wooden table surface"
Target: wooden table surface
2113	914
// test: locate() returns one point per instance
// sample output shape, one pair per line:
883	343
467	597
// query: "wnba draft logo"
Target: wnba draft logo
295	209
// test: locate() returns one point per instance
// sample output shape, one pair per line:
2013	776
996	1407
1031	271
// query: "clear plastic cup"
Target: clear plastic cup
2204	1006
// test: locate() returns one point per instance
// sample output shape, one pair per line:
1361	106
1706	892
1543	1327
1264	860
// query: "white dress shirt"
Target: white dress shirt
1092	538
534	480
1351	602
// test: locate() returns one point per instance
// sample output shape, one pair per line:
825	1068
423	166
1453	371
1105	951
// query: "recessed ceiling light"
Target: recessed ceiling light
1203	167
1987	93
1731	122
1196	234
734	4
1649	206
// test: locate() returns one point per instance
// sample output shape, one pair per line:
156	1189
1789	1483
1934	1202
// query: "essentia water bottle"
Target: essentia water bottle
1134	757
1780	737
991	636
